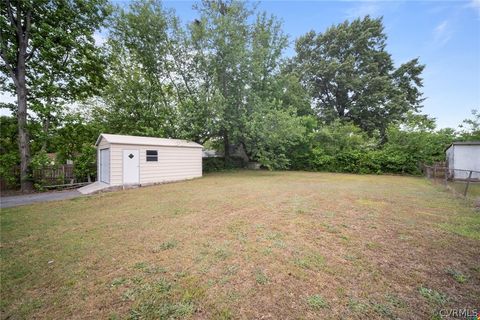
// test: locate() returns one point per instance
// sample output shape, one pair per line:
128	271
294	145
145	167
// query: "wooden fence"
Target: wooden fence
56	176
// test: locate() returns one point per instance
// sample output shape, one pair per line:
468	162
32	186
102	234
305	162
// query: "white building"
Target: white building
463	157
132	160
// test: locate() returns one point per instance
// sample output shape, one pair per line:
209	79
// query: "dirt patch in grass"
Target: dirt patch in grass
272	245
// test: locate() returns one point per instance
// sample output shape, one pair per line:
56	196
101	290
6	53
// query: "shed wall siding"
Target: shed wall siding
116	164
467	157
174	163
101	145
450	158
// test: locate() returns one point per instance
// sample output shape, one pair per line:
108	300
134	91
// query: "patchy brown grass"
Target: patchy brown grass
270	245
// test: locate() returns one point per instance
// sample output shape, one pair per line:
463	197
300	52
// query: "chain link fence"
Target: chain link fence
465	183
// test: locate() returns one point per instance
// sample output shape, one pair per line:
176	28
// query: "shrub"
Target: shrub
371	162
85	163
213	164
343	147
8	163
234	163
219	164
322	161
39	161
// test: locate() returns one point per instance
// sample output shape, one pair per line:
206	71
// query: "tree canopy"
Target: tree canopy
351	76
341	103
48	57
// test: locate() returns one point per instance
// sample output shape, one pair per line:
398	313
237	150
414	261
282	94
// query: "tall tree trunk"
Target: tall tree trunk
17	69
45	128
46	122
383	135
23	139
226	146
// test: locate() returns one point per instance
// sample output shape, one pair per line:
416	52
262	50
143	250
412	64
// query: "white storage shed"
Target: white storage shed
462	157
132	160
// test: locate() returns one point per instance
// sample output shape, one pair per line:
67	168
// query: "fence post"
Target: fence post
446	171
434	173
468	183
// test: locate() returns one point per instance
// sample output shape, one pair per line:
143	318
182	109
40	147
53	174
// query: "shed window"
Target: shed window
152	155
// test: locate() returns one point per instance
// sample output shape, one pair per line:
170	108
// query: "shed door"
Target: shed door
131	166
105	165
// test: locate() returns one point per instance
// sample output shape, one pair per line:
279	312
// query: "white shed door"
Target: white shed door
105	165
131	166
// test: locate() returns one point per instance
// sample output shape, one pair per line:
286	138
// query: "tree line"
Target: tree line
339	104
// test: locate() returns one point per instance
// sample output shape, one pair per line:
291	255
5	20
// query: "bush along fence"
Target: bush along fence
61	176
213	164
52	177
462	182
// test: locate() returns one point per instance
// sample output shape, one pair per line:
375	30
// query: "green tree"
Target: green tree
408	149
202	82
8	135
338	137
85	163
138	50
245	58
470	128
338	147
158	84
46	48
222	33
265	56
270	133
351	76
288	89
9	158
75	132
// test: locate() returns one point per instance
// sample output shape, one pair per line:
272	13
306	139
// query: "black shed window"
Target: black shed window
152	155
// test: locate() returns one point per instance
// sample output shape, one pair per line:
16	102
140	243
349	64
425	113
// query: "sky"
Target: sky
444	35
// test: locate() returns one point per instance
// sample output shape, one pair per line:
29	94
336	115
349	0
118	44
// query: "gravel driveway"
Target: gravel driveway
20	200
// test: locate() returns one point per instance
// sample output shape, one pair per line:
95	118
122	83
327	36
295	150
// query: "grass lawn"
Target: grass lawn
250	245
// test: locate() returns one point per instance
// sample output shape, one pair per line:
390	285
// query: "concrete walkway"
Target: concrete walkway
93	187
20	200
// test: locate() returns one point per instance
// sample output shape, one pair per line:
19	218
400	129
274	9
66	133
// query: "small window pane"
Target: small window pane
152	155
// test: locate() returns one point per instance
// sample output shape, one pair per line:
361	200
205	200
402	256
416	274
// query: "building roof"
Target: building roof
463	143
211	154
146	141
467	142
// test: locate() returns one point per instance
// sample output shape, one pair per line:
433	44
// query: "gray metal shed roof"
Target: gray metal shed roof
466	143
146	141
463	143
